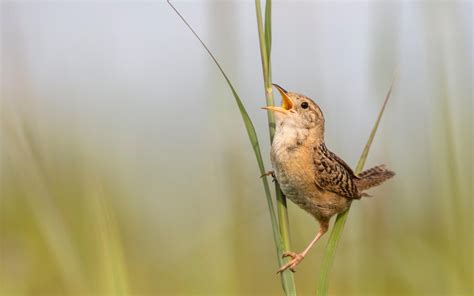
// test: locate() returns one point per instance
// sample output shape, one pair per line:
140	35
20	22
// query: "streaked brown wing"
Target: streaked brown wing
333	174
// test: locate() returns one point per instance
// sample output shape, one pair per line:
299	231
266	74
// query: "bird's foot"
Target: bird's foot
296	259
269	173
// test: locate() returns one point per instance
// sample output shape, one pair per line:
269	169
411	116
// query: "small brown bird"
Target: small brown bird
308	173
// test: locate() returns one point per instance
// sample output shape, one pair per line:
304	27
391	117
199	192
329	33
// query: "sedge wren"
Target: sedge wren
310	175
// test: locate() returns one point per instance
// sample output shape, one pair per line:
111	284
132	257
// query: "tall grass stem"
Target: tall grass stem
255	145
265	37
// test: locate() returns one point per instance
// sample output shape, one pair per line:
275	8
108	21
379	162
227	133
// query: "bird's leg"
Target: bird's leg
269	173
297	258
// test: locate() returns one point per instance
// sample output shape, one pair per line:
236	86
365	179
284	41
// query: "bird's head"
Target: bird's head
297	111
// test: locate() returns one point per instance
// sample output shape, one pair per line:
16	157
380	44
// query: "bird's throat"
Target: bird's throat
290	137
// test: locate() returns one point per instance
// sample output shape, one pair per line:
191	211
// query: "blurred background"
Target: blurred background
126	169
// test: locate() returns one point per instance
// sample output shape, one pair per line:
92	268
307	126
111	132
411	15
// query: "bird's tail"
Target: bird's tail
373	177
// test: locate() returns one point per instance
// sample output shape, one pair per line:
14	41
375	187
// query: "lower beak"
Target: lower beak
286	102
276	109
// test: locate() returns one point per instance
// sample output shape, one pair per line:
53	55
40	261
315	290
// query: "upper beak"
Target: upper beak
286	102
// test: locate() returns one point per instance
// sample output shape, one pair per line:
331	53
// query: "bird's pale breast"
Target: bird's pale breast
293	165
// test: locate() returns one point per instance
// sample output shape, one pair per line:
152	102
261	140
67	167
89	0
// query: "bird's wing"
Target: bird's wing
333	174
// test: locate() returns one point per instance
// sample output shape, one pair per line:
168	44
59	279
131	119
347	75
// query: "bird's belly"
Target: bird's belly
296	178
295	174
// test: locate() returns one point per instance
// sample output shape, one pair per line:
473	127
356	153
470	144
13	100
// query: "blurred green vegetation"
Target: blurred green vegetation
125	169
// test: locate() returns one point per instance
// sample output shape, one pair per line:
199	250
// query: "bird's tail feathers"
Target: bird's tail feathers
373	177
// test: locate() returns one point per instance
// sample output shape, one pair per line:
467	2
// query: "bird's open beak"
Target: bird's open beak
286	102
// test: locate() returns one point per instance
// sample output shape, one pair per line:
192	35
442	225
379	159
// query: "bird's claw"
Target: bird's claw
289	254
296	259
269	173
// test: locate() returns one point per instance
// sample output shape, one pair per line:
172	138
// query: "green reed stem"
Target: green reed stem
255	145
334	238
265	37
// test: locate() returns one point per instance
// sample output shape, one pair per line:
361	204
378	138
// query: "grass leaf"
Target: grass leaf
268	30
253	139
265	38
330	252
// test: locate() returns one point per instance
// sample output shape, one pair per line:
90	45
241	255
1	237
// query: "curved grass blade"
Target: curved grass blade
253	139
330	252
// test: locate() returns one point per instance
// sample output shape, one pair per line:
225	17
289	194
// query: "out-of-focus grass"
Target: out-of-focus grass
58	228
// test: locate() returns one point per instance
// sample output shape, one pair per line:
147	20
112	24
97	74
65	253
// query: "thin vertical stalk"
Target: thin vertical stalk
265	49
334	238
264	54
287	279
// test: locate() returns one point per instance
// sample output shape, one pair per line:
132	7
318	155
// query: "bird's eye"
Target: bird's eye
304	105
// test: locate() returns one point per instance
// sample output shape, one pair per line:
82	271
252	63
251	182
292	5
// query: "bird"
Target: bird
308	173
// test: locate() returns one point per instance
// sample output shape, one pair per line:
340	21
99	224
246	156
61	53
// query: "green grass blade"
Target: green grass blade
268	30
253	139
330	252
365	153
264	37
